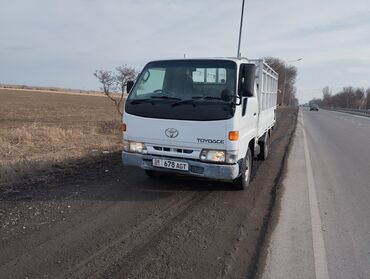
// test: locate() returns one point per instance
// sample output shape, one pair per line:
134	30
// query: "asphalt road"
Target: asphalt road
105	221
323	228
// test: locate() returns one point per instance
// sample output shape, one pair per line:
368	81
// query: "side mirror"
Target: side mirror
129	85
248	76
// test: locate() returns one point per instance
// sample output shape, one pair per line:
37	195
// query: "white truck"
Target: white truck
202	117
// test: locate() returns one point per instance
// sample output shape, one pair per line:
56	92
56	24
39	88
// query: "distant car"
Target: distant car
314	107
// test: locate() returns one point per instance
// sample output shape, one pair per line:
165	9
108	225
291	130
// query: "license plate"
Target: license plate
169	164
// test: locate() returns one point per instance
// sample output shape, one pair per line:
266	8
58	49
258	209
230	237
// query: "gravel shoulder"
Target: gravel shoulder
102	220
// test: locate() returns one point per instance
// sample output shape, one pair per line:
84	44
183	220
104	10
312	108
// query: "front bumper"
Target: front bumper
196	168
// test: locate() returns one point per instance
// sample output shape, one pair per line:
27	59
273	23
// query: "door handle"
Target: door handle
254	114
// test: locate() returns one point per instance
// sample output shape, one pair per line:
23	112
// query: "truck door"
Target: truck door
248	114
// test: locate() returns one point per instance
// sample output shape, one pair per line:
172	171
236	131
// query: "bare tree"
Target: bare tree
326	92
117	81
348	97
123	75
287	79
106	78
326	96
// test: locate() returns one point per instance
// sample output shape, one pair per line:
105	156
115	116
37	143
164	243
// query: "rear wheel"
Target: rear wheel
265	145
242	182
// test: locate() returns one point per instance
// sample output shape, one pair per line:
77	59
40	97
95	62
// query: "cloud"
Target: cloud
61	43
15	49
340	24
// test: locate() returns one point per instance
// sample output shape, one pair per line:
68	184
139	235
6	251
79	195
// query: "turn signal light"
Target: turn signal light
234	135
122	127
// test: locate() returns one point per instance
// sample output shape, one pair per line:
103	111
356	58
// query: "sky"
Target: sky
62	42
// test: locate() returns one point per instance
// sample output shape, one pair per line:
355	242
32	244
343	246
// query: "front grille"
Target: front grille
176	150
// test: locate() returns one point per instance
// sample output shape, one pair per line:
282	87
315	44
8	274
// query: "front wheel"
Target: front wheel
242	182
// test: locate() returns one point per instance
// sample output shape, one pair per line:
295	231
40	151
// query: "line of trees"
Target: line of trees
349	97
113	83
287	78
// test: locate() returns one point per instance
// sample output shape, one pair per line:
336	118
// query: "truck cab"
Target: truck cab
202	117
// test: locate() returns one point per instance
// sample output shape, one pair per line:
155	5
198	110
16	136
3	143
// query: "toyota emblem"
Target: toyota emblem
171	133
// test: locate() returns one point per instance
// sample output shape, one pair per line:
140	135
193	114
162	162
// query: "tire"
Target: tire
265	146
242	182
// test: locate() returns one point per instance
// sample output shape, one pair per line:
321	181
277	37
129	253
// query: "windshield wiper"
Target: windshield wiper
196	98
150	100
140	101
212	98
165	97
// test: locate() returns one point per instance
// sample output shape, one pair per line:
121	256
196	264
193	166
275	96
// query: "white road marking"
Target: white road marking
353	115
321	265
354	122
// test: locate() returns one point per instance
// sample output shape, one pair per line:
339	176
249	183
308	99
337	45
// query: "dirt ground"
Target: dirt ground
105	221
41	130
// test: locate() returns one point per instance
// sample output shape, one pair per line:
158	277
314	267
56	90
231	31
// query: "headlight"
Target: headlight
212	155
221	156
133	146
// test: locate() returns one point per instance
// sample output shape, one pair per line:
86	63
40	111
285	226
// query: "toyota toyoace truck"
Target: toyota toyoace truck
201	117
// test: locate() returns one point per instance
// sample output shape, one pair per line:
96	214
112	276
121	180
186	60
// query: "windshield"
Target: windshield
185	89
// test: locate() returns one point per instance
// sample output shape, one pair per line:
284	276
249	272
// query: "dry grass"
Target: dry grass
37	132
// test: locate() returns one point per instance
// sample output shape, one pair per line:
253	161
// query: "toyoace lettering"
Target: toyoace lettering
210	141
227	104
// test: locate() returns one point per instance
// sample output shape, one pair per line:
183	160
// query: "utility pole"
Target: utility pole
239	55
